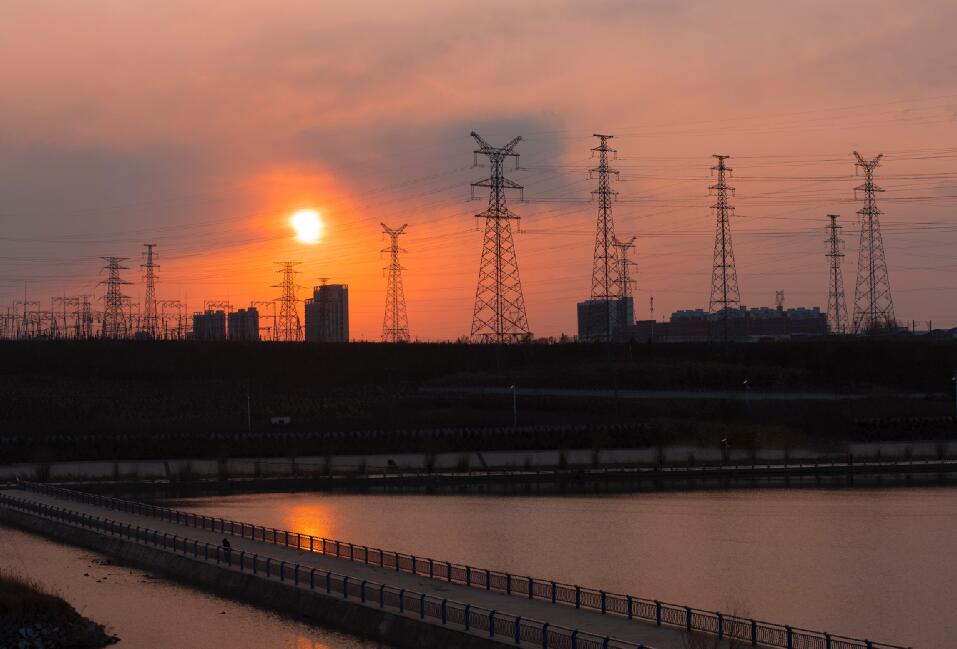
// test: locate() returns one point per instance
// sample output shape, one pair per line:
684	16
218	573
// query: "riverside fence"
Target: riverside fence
729	627
506	628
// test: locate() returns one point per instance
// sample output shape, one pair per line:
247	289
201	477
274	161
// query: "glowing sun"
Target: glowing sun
308	225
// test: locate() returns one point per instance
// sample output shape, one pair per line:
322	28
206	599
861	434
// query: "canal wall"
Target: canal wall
186	469
313	606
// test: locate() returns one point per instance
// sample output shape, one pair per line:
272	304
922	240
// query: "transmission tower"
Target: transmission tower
836	303
115	323
624	282
499	313
288	326
873	306
779	300
724	276
395	324
606	279
150	321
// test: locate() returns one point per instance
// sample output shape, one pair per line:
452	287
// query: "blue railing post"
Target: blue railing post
554	591
575	639
688	619
508	583
413	564
431	574
790	637
448	570
720	626
362	591
468	576
422	607
827	641
545	635
518	630
242	556
255	561
488	579
531	584
268	562
345	588
754	633
382	596
466	616
282	571
630	607
328	581
491	624
402	600
312	579
657	613
604	643
444	617
869	644
604	608
578	596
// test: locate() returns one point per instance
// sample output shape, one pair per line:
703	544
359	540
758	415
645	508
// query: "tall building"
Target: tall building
597	317
327	314
209	325
244	324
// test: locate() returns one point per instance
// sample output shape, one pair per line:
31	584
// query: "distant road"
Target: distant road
711	395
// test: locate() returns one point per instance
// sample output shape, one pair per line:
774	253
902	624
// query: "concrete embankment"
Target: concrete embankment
315	606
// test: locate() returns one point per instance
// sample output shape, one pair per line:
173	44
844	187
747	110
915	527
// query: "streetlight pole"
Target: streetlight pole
514	407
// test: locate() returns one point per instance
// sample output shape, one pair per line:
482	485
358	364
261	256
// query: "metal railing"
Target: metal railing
509	629
730	627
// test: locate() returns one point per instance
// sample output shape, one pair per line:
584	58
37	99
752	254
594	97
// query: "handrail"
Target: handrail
731	627
469	618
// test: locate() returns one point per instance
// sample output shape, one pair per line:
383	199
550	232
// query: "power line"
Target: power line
836	302
499	312
395	323
873	305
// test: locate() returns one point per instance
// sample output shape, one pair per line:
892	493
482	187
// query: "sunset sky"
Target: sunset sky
202	126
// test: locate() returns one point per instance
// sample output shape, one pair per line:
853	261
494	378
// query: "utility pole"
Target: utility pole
836	302
395	323
115	322
873	306
724	276
499	312
625	282
288	326
606	281
149	309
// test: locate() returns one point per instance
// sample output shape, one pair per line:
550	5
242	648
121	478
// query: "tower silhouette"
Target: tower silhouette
499	312
606	267
288	326
625	282
395	323
873	306
115	322
724	276
150	319
836	303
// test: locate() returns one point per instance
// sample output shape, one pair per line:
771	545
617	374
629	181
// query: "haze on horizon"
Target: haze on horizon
202	128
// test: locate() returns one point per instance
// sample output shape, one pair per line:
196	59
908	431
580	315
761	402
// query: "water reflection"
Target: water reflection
866	562
147	611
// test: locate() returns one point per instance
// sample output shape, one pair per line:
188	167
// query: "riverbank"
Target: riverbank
32	618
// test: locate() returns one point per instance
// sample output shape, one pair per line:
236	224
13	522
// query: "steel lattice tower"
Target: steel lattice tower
625	282
873	306
499	313
606	279
395	323
724	276
836	303
150	319
288	326
115	323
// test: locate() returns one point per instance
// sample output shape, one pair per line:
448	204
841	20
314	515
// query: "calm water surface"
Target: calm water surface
148	612
880	564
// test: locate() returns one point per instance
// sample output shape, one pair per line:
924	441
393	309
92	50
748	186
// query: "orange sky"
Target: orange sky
200	128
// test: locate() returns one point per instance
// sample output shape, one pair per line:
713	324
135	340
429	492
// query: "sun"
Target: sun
308	225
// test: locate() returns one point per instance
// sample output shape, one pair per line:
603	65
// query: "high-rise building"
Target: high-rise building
209	325
327	314
597	317
244	324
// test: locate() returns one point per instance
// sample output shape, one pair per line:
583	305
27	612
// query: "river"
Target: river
874	563
150	612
